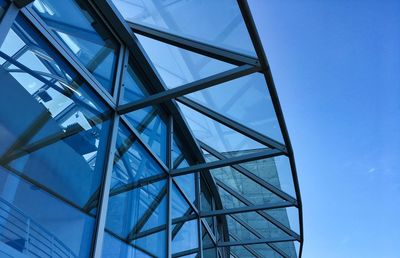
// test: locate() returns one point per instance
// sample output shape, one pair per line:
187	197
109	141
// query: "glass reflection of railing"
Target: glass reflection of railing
25	235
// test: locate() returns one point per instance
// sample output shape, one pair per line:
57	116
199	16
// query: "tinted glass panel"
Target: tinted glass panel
184	236
113	247
84	34
133	89
27	222
218	23
59	120
178	66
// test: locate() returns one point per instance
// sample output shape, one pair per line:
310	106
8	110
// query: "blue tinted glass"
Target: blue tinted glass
35	224
187	185
153	244
113	247
178	66
178	157
218	23
288	247
265	250
152	128
184	236
131	162
130	209
133	89
242	100
216	135
84	34
3	7
180	207
55	119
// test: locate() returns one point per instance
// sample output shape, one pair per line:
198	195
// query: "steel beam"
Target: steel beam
256	241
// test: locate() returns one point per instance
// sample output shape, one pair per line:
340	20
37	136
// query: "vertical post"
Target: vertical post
198	202
170	135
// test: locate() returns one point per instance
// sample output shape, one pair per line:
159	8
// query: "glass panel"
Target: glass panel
84	34
59	120
153	244
152	127
180	207
288	247
242	100
178	158
218	23
178	66
113	247
184	236
265	251
208	244
3	8
216	135
133	89
240	251
129	211
27	222
187	184
288	217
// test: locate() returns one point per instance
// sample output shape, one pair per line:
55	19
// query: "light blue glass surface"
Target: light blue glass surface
35	224
217	23
288	247
216	135
154	244
150	124
187	185
84	34
266	251
184	237
178	66
59	120
178	157
113	247
245	100
180	207
133	89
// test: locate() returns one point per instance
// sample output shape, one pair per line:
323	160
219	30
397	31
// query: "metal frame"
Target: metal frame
123	32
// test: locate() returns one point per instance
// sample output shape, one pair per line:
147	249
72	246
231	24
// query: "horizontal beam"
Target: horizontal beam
267	153
265	140
266	206
256	241
189	88
193	45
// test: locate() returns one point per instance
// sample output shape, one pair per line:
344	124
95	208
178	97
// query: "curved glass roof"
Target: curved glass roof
210	60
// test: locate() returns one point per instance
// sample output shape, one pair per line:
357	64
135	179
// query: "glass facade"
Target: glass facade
141	129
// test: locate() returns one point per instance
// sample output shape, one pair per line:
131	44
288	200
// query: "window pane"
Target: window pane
34	223
218	23
133	89
184	236
113	247
49	118
84	34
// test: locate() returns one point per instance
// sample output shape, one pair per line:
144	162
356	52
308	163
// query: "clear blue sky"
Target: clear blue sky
336	65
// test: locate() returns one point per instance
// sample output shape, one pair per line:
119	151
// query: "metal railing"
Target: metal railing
20	232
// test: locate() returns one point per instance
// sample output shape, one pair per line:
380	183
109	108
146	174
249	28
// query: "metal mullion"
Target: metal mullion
194	46
263	154
66	54
255	38
248	248
144	144
260	212
124	70
198	203
209	231
267	206
170	134
258	235
236	126
105	185
197	85
186	252
7	21
256	241
252	176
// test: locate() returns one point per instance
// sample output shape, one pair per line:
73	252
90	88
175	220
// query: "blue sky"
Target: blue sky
336	65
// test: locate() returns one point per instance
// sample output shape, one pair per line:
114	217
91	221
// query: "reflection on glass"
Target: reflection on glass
84	34
153	244
178	66
133	89
245	100
27	222
150	124
3	7
113	247
180	207
59	120
184	236
218	23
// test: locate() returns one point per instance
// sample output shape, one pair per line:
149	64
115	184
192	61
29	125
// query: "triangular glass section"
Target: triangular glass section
216	135
287	216
245	100
178	157
207	244
187	183
240	251
288	247
237	231
154	244
158	216
184	236
218	23
180	207
264	250
133	88
178	66
150	124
